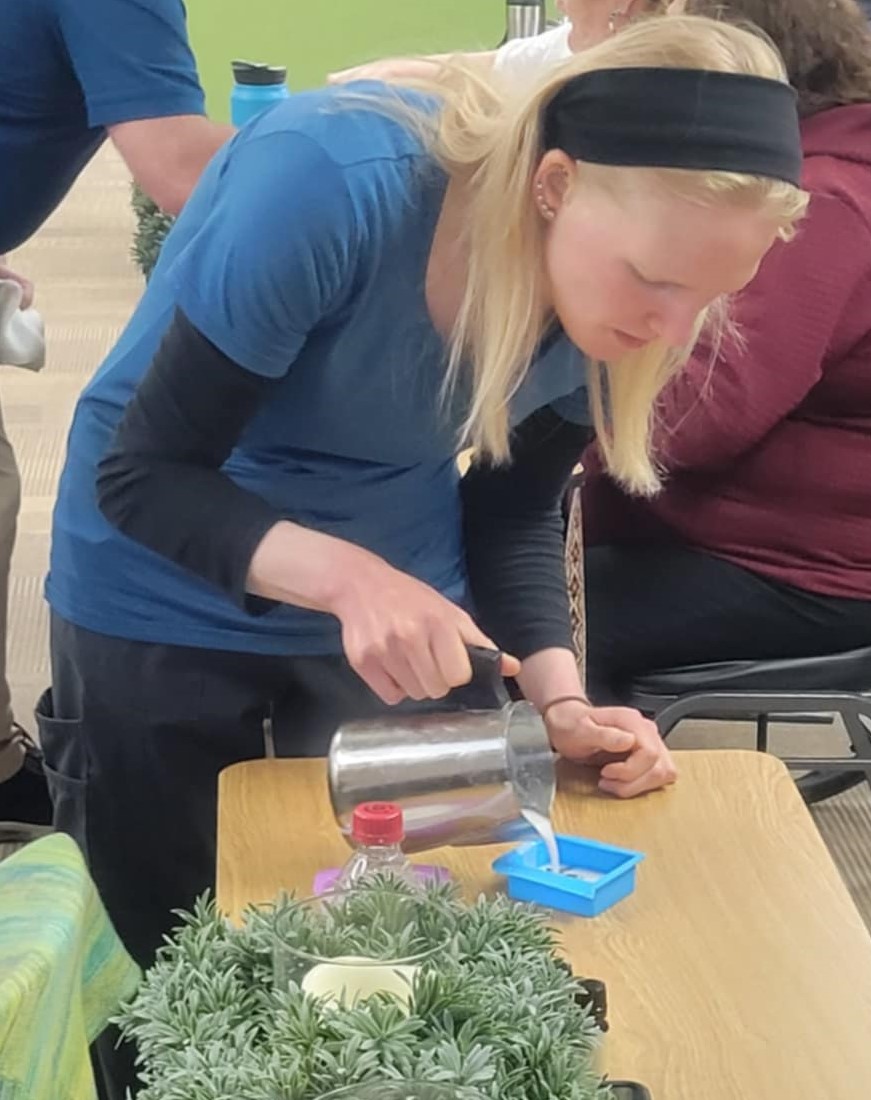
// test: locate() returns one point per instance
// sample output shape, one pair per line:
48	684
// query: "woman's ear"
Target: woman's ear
553	181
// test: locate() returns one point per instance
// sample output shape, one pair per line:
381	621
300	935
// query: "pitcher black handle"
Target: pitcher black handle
486	690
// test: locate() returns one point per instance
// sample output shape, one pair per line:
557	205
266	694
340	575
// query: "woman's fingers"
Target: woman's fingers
661	774
373	672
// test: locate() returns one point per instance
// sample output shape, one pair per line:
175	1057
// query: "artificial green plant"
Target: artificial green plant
152	226
494	1009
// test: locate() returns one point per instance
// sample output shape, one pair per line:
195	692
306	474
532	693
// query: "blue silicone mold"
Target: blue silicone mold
592	878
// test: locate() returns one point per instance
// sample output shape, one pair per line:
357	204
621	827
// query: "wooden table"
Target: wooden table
738	970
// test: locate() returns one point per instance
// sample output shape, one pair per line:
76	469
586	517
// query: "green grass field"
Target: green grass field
313	37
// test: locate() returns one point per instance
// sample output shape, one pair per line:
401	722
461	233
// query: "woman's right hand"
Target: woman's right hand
404	639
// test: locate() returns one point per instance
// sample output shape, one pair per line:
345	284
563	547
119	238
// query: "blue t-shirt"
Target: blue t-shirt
302	255
68	70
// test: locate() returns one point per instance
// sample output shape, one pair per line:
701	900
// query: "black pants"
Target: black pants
134	737
656	606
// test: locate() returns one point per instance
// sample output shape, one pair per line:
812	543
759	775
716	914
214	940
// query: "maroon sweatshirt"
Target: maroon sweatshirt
769	450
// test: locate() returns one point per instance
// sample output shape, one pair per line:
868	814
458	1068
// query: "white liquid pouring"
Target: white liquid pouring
541	823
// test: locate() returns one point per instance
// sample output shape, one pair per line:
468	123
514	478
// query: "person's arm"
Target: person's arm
255	279
139	80
395	70
514	553
789	319
513	531
166	156
161	484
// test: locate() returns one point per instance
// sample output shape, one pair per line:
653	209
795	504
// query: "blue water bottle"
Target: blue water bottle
255	87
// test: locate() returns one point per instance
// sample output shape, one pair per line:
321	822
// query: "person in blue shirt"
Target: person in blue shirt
261	519
72	73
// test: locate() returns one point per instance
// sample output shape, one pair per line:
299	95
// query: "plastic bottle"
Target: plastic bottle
255	88
377	832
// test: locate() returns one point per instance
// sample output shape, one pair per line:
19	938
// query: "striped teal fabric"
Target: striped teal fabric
63	972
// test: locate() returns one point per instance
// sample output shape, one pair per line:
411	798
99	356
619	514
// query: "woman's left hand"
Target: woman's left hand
578	730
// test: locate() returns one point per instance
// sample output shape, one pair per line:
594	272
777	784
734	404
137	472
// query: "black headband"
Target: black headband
678	118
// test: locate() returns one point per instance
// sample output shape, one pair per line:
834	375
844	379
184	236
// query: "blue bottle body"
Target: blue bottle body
248	101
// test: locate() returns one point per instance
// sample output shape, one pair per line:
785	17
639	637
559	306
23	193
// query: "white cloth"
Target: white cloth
22	333
525	59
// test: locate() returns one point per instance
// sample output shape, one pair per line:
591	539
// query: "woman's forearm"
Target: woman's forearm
550	674
296	565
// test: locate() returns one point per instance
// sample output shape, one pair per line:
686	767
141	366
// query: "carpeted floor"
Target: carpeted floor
86	288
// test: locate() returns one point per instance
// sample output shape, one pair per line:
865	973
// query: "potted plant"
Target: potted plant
494	1010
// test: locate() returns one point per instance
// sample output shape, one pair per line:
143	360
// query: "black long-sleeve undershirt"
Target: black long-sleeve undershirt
513	527
161	481
161	484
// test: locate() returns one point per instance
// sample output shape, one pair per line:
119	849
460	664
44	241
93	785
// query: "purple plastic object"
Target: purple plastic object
426	872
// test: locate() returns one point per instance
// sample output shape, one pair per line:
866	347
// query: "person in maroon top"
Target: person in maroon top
759	544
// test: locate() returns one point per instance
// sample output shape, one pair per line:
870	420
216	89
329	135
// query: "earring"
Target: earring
547	211
613	18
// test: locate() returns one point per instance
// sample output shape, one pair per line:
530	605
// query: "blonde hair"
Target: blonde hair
492	142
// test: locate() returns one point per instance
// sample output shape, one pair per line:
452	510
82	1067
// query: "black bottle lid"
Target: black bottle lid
257	74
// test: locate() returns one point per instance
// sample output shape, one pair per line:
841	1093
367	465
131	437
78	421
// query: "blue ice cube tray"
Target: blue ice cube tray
592	876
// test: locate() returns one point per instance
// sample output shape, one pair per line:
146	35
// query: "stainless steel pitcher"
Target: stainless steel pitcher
462	776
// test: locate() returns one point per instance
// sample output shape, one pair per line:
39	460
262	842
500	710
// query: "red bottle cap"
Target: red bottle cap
378	823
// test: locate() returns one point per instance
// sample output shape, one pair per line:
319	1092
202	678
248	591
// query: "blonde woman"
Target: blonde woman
260	514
